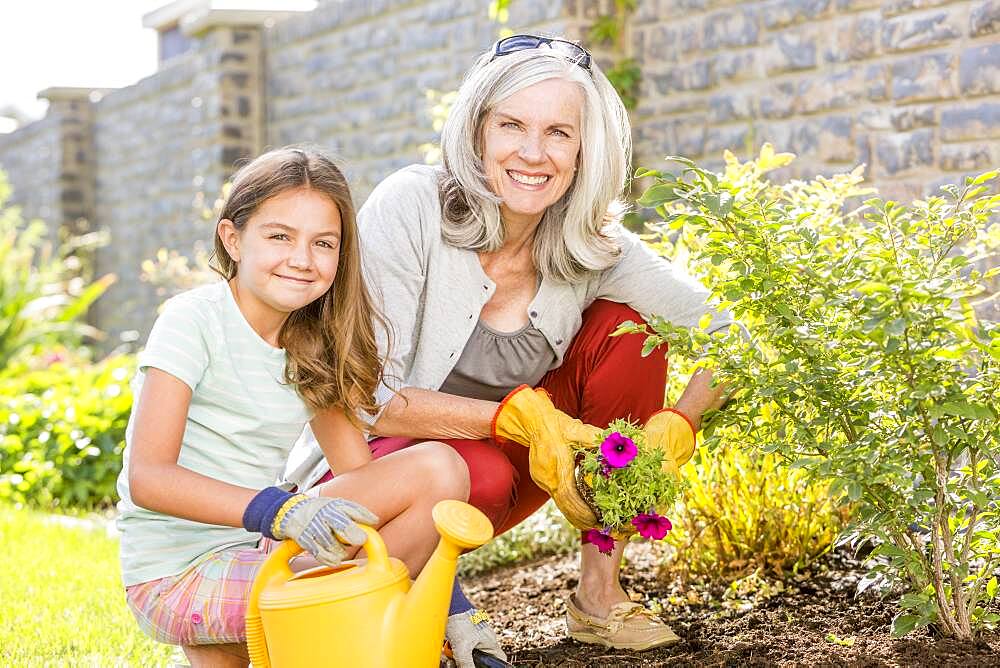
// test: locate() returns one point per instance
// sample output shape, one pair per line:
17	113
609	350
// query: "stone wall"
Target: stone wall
30	158
352	76
909	87
166	146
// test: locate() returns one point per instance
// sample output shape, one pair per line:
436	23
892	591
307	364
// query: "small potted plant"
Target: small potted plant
626	485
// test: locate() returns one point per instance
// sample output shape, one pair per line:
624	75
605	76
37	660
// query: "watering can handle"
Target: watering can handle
276	569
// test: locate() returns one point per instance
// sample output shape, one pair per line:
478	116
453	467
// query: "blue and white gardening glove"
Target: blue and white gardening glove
471	630
320	525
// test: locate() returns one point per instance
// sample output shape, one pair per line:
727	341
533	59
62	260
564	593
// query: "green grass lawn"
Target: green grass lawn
61	599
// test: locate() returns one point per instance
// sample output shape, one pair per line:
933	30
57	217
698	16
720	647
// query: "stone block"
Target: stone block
924	77
781	13
698	75
857	5
979	70
835	141
964	157
894	7
804	140
970	123
689	136
878	118
731	28
841	89
736	65
909	118
658	136
718	139
731	107
791	51
984	18
855	38
778	101
916	32
899	153
663	44
863	152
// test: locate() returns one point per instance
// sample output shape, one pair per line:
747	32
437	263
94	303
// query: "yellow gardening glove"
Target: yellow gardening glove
671	431
528	417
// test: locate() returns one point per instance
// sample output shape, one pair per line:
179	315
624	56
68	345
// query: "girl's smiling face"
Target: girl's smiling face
287	254
531	142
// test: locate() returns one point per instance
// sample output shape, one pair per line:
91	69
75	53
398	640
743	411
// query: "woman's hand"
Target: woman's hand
528	417
321	526
671	431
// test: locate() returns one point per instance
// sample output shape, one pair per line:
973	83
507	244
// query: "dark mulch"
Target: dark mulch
789	628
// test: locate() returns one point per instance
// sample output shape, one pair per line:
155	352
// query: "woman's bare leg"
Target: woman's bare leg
402	488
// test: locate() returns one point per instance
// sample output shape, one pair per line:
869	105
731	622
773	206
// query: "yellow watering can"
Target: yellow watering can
363	615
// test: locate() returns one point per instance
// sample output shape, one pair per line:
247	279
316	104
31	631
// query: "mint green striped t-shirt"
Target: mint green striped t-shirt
241	424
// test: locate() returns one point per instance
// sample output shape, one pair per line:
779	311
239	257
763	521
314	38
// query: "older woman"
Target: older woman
507	267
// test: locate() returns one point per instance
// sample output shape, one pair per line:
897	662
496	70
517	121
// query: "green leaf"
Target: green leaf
656	195
903	624
962	409
991	588
984	177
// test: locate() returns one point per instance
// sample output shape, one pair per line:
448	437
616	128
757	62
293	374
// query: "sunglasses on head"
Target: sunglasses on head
515	43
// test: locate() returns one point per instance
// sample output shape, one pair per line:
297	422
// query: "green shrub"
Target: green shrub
870	369
62	430
44	291
743	513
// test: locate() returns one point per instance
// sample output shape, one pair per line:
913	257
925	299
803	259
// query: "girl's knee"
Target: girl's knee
445	472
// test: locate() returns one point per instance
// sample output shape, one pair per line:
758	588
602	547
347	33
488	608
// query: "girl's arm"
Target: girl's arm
423	413
156	481
342	443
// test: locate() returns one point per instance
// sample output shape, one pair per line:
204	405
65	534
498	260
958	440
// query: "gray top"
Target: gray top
494	363
432	292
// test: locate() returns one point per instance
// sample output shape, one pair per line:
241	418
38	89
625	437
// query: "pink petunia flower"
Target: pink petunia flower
652	525
605	469
618	450
604	542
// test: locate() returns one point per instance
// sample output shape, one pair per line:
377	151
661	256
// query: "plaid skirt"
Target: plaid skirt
204	605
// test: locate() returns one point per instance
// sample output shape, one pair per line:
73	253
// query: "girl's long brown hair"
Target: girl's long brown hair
333	357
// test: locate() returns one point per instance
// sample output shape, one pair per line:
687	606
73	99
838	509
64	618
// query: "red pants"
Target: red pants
601	379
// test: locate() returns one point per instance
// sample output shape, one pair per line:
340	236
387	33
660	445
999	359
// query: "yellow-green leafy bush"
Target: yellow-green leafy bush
744	513
62	430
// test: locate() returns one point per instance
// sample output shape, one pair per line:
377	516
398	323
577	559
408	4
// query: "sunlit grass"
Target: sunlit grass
61	599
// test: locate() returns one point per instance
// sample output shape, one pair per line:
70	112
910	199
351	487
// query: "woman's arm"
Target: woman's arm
343	445
422	413
156	481
699	396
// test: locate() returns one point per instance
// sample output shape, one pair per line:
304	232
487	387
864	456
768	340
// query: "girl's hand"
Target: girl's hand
319	525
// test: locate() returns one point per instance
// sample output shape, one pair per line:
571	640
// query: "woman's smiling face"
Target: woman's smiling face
531	142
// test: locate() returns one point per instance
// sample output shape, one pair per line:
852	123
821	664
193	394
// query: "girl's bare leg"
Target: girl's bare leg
402	488
221	656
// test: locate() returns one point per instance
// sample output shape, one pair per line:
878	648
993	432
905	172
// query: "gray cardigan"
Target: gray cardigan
432	292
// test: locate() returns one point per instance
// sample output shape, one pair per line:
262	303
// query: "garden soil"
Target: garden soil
815	620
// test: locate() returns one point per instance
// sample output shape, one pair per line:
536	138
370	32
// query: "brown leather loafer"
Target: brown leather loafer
627	626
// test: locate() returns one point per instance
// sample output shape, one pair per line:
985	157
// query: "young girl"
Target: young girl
230	375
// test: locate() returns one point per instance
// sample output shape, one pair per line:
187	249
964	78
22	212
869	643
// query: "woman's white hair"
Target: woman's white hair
570	241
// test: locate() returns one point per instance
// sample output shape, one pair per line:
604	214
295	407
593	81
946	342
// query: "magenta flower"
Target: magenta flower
605	469
618	450
651	525
604	542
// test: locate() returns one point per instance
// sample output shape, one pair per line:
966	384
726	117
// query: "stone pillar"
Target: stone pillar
73	112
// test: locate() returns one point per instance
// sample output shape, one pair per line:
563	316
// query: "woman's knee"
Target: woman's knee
444	472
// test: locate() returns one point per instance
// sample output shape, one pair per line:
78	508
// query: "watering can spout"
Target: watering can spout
461	527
